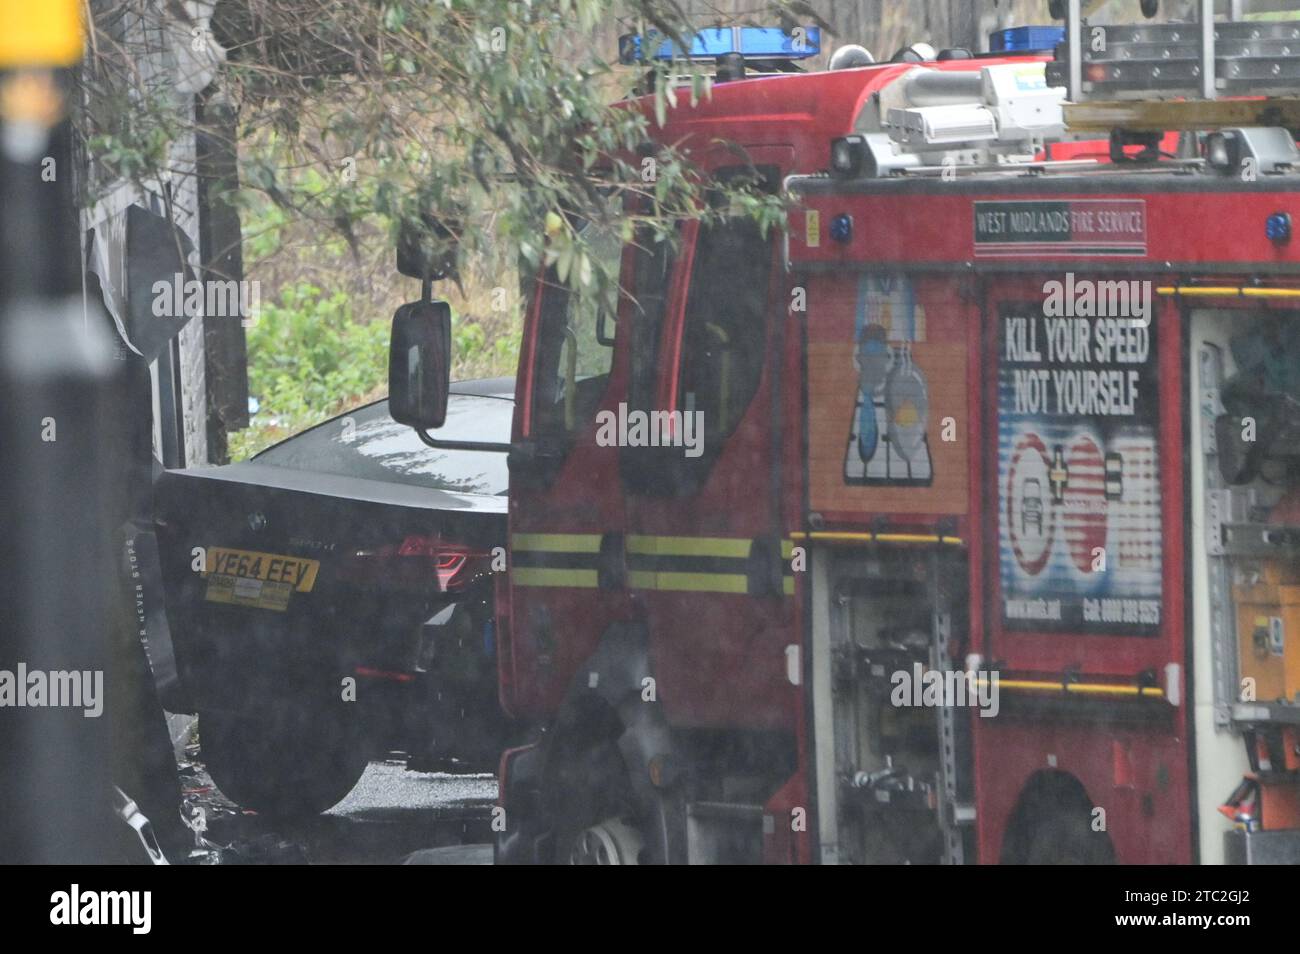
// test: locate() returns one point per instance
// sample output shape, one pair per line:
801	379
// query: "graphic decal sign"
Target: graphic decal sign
1079	526
888	444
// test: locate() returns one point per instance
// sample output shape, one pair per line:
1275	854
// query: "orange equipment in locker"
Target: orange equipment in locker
1267	596
1267	798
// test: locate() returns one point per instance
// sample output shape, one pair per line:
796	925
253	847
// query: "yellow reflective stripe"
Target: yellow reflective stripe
547	576
689	546
641	579
702	582
40	33
670	581
689	582
557	542
787	549
642	545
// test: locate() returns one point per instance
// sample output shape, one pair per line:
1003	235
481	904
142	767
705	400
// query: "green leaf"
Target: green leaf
395	17
564	262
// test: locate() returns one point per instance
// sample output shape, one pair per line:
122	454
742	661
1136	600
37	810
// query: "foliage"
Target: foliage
294	387
314	359
493	125
495	119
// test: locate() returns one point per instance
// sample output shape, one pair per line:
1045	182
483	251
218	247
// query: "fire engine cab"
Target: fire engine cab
989	548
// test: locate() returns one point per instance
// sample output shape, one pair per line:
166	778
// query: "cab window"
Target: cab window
575	346
723	334
653	261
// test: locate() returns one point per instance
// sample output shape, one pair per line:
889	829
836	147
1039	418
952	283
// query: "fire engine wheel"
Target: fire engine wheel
1065	837
612	842
1150	8
1053	824
288	763
594	816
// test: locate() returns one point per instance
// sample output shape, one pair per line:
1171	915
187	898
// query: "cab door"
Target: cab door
704	558
567	513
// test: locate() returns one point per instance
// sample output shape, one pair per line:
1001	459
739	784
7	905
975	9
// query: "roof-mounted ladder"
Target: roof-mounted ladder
1172	76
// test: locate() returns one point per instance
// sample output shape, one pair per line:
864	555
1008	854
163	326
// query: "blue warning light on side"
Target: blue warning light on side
1024	39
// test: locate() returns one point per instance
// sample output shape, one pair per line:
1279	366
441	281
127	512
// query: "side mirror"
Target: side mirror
419	364
426	250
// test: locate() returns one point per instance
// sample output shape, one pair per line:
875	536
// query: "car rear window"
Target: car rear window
367	443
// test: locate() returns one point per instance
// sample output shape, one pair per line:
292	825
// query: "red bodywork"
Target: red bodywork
719	658
785	120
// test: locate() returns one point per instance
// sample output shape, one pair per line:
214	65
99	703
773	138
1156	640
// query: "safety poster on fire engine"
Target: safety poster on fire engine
1079	546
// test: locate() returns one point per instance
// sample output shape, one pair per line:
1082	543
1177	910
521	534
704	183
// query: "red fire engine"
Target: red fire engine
987	548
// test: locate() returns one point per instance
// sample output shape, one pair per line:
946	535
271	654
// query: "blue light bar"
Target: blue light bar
1026	38
753	43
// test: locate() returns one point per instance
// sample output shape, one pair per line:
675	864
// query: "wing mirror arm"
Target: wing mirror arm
461	445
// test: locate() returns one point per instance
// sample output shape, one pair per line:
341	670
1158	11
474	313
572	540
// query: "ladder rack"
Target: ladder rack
1171	76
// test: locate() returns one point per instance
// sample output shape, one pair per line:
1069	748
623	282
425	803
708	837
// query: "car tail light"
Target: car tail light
448	558
414	563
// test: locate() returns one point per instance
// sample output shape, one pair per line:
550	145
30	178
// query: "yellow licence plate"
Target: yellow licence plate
259	580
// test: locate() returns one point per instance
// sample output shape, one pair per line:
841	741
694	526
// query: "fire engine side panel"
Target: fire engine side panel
975	226
1136	769
1135	775
889	362
1078	581
1129	756
887	416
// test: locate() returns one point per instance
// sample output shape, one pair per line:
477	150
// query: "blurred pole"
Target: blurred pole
964	25
59	562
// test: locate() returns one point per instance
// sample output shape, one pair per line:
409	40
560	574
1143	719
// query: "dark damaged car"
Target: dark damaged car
330	600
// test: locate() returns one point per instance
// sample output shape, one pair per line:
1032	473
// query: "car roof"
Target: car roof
373	447
502	388
486	387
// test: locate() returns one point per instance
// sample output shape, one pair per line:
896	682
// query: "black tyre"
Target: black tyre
287	762
590	802
1150	8
1052	824
1064	836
